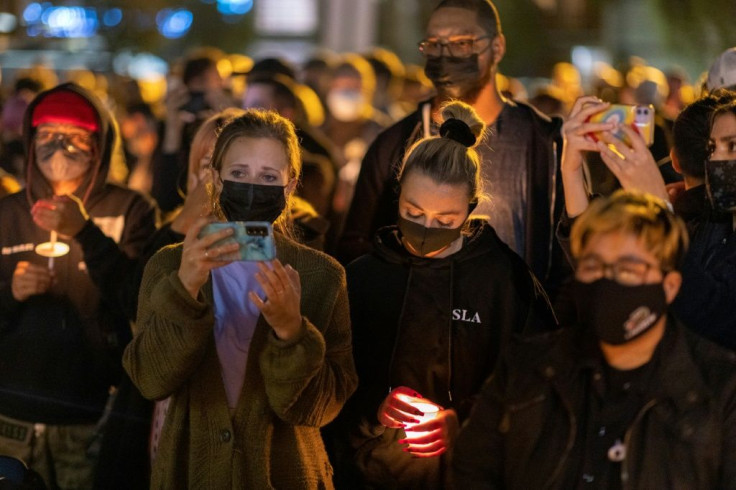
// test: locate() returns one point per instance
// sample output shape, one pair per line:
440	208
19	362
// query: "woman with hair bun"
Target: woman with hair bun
431	308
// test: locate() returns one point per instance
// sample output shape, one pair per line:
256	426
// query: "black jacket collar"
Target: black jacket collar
676	378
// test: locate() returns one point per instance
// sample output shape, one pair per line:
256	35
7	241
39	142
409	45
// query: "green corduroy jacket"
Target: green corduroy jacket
290	390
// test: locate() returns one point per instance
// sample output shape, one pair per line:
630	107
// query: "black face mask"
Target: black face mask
617	313
454	77
720	181
427	240
251	202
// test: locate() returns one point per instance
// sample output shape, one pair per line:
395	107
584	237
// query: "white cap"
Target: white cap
722	73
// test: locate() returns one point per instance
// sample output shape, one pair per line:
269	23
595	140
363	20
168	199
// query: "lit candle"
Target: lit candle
52	249
428	409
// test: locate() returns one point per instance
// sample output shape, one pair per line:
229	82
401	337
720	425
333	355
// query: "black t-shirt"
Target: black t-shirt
615	399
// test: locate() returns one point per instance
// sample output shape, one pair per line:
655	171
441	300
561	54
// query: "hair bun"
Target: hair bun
458	130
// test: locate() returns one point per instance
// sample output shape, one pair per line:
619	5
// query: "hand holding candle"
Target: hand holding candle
30	280
396	411
63	214
432	436
430	429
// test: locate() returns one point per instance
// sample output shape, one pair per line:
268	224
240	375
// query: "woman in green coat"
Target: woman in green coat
256	356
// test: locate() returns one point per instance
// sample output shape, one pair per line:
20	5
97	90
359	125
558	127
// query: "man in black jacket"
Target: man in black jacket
463	47
63	322
628	398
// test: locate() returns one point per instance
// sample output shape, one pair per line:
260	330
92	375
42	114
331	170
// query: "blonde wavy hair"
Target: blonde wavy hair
635	213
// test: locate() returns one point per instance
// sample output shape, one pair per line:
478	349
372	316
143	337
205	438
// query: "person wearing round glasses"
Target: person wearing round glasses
462	48
629	397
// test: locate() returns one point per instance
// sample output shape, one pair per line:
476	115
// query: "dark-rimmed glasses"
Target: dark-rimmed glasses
626	271
458	48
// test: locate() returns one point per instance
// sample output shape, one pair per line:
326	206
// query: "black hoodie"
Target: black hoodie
436	326
60	351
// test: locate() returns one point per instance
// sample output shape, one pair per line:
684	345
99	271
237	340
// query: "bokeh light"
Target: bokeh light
174	23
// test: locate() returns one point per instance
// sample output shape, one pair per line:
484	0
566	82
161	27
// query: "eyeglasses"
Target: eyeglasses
458	48
77	146
629	272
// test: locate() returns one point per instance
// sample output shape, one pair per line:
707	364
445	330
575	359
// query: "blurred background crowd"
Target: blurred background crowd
161	71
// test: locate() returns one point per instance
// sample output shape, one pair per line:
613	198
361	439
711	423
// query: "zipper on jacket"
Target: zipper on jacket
570	441
553	202
627	439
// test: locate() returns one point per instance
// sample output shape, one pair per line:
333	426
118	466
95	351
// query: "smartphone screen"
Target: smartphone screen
639	117
255	239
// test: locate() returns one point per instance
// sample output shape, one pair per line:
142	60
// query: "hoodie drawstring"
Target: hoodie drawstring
449	333
398	327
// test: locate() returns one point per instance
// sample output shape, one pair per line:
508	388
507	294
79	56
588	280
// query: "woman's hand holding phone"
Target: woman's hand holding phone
575	132
634	165
199	256
282	307
576	129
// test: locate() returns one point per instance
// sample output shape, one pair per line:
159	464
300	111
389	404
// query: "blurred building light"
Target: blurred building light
32	13
72	22
112	17
146	66
173	24
234	7
7	22
586	58
582	58
291	17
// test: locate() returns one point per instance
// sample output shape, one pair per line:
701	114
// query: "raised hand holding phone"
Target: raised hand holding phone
575	133
200	255
254	238
639	118
632	164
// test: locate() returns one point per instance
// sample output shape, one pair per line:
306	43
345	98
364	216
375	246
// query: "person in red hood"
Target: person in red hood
62	320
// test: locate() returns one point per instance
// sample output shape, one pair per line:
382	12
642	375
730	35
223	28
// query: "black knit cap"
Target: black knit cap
456	129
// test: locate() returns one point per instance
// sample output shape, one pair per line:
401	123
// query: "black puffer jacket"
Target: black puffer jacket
60	351
436	326
522	431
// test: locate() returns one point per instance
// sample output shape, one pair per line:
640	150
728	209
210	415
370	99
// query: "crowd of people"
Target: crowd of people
463	286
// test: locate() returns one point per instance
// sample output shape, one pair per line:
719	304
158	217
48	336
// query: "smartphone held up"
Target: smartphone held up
639	117
254	238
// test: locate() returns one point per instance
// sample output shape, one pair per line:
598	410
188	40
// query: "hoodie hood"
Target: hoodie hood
37	187
478	239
